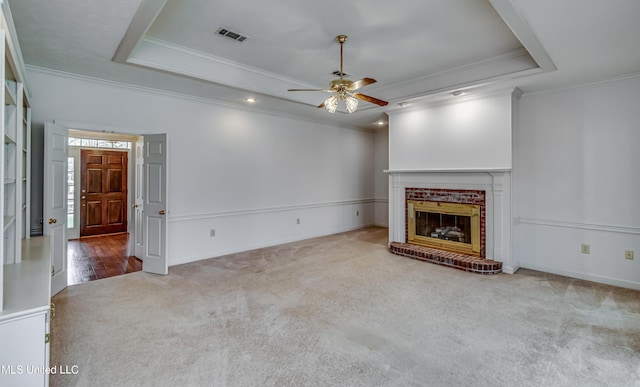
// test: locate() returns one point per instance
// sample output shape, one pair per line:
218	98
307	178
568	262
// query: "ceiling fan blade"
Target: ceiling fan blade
324	90
361	83
370	99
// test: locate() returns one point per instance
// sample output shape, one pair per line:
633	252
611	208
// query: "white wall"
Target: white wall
381	179
472	134
248	175
576	180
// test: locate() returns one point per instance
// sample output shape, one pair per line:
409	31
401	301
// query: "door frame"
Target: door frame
74	233
131	172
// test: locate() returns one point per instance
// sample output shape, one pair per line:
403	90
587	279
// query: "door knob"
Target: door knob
51	220
161	212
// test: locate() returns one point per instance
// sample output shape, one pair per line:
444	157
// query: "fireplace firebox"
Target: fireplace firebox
448	226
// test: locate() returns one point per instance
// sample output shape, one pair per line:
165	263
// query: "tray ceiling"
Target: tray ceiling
417	50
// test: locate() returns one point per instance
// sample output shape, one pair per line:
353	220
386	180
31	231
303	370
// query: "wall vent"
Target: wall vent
231	35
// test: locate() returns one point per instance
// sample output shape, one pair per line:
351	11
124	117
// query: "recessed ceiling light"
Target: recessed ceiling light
381	122
403	104
457	93
251	100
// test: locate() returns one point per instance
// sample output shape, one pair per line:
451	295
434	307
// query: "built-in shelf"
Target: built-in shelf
9	94
27	285
25	270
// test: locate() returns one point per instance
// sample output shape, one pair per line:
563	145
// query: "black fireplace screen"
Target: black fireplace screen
455	228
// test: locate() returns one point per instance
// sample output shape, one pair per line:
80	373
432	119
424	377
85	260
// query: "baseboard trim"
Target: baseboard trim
584	276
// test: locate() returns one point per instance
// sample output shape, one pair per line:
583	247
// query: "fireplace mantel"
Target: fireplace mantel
495	182
446	170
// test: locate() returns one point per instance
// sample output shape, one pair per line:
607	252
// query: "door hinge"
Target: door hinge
46	338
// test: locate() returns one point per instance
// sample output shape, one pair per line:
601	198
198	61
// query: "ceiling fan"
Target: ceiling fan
344	89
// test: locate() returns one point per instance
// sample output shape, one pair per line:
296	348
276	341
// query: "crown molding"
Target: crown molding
165	56
150	90
583	85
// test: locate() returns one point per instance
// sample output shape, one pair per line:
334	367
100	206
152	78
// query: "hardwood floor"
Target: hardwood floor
97	257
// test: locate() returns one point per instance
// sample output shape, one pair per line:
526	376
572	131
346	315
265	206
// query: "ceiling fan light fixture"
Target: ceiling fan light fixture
351	104
344	89
331	104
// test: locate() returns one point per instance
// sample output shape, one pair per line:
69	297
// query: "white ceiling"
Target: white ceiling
418	50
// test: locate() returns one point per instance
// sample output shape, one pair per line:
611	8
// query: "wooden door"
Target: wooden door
103	195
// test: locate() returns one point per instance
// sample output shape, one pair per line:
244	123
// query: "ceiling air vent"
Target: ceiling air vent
231	35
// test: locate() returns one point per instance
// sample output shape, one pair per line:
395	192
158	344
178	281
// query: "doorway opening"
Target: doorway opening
148	199
99	173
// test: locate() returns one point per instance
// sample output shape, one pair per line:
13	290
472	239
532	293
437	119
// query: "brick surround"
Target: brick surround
451	196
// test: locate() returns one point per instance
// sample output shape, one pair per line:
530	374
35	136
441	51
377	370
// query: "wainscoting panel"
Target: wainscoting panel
202	236
555	247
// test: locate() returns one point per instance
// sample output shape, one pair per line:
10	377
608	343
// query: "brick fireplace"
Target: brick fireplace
481	195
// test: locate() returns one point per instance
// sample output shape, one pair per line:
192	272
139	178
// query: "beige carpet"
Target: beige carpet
342	310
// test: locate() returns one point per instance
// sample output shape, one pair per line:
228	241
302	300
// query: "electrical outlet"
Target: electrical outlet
586	249
212	232
298	221
628	254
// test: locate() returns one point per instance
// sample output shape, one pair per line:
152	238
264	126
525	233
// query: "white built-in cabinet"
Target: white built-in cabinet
25	272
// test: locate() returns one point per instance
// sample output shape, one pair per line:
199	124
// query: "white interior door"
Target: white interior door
55	201
138	202
154	215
